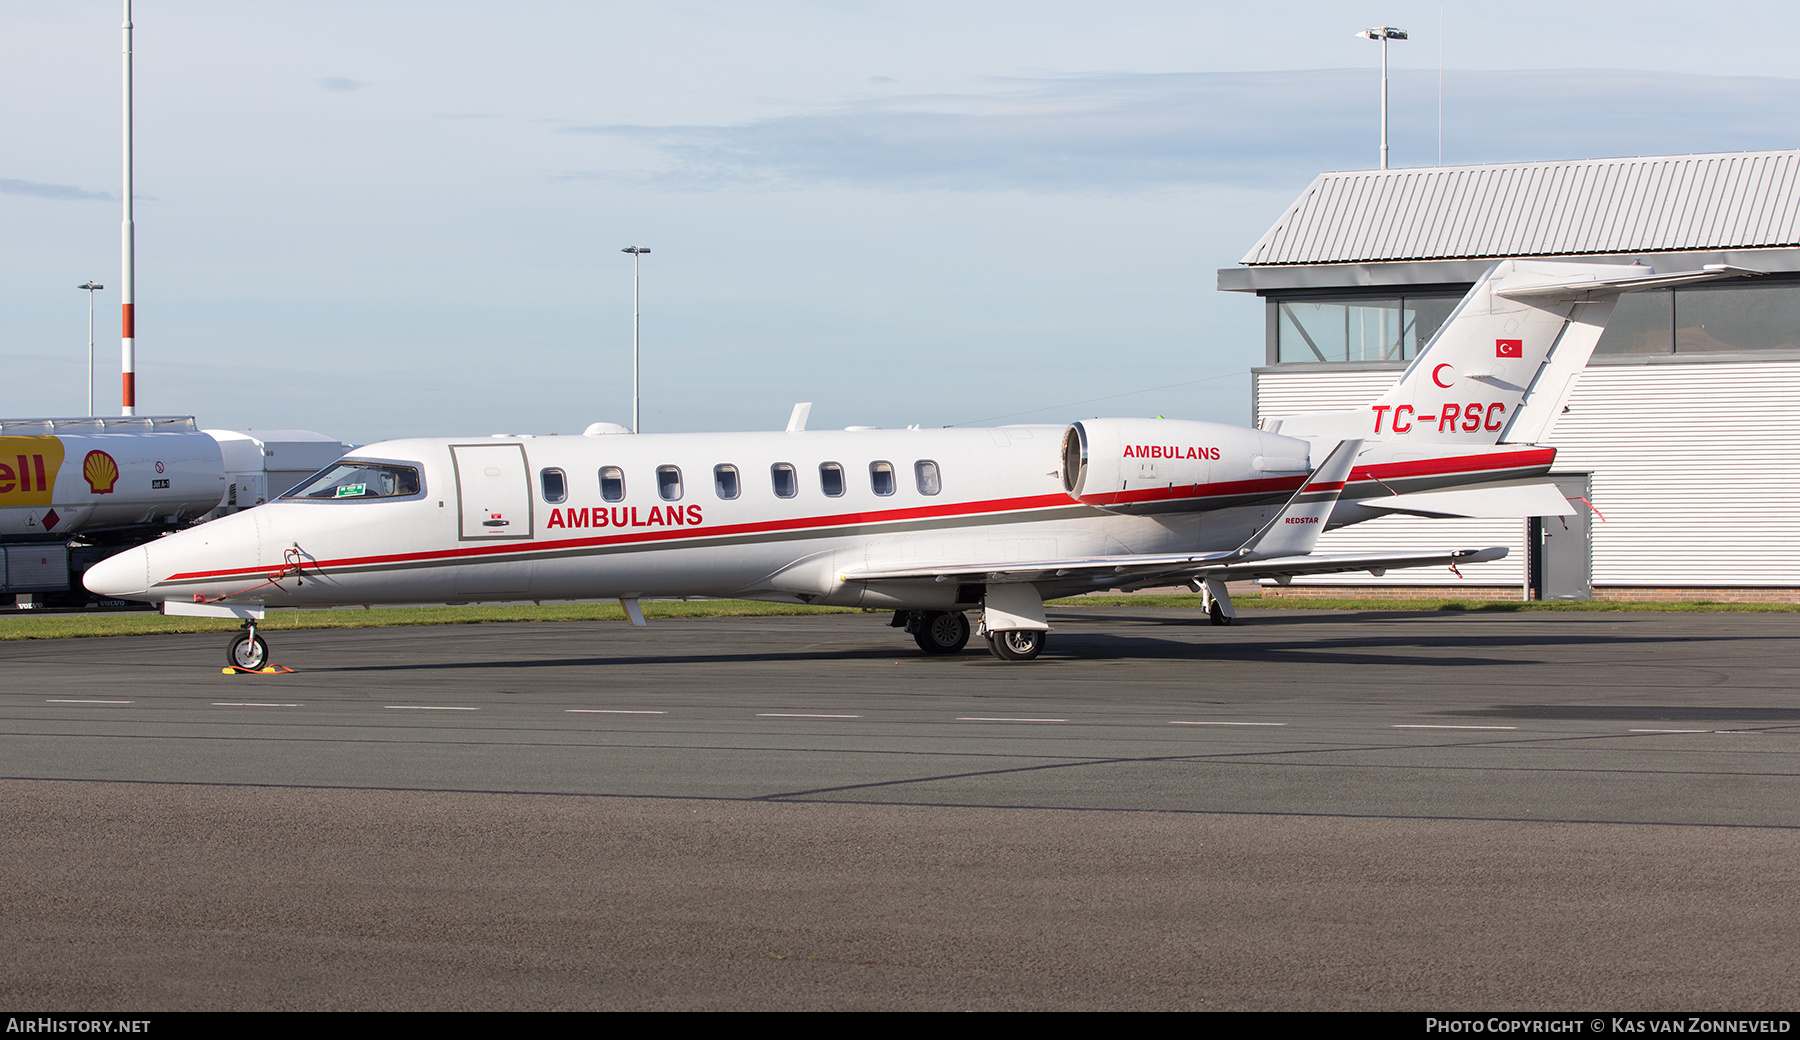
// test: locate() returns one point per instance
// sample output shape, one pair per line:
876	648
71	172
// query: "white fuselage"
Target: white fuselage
487	524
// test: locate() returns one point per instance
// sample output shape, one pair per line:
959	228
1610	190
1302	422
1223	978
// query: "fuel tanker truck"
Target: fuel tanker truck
75	491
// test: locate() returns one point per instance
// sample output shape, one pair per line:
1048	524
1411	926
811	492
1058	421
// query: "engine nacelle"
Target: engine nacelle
1173	465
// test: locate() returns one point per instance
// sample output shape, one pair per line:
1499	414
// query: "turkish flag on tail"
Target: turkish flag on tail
1509	348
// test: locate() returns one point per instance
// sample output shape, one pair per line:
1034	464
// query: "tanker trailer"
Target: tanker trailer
76	491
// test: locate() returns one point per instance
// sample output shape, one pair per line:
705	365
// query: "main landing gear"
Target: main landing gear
943	632
936	631
247	650
1019	644
1216	600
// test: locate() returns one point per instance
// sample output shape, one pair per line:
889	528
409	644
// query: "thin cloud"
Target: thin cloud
36	189
1129	133
341	83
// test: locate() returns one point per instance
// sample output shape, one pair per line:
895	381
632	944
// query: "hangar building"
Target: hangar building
1683	435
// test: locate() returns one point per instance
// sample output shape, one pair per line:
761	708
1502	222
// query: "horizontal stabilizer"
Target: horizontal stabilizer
1575	288
1492	501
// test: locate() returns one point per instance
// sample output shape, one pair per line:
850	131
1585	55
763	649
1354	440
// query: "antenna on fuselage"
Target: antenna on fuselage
797	420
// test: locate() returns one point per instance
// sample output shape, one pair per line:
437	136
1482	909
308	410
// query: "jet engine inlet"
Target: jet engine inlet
1074	458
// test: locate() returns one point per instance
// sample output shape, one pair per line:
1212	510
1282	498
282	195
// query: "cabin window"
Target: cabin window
668	483
349	479
782	476
555	484
926	472
725	481
831	479
881	478
612	484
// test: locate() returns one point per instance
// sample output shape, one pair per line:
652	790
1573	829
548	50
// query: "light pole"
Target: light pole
91	288
1384	33
636	252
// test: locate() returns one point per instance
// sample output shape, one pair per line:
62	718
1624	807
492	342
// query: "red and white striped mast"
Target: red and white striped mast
127	258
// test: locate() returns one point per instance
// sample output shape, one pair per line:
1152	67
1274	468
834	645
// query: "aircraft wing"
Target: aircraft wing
1122	571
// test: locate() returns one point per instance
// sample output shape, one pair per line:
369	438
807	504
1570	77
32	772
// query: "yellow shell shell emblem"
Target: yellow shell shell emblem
100	472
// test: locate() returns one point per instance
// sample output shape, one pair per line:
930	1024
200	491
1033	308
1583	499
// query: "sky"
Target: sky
394	219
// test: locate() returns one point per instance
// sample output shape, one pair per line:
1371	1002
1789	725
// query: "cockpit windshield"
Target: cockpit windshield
352	479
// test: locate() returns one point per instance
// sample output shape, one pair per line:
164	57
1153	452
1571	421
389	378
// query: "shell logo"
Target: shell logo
100	472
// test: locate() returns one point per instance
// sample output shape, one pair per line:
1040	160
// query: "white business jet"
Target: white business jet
930	524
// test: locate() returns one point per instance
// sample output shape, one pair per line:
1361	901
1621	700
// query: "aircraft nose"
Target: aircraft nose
123	576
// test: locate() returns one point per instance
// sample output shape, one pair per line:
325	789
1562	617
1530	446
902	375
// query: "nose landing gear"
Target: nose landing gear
247	650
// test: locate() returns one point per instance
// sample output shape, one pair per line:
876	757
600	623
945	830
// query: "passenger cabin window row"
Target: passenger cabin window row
784	481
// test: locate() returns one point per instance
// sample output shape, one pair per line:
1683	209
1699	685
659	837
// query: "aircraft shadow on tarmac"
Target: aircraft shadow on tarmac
1076	645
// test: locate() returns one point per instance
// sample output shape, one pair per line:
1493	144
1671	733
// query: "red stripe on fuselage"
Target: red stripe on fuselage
1005	505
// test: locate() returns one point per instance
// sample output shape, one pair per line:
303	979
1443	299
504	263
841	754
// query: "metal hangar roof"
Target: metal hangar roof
1735	200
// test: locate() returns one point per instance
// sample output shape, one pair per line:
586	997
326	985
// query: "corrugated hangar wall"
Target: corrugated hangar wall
1692	470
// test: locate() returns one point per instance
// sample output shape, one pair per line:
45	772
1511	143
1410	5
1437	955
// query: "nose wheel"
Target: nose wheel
247	650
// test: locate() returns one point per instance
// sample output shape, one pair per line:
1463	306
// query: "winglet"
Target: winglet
1295	530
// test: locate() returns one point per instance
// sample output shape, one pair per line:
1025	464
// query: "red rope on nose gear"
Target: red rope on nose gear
291	566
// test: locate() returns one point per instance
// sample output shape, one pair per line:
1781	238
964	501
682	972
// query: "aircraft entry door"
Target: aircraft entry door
493	491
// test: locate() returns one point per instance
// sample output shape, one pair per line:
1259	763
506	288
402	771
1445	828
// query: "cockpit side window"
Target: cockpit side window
350	479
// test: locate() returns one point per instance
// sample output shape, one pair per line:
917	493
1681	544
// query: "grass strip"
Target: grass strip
66	626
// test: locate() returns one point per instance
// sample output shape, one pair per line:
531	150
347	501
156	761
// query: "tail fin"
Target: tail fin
1295	530
1503	365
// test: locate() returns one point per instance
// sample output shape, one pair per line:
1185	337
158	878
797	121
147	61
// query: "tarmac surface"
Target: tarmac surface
1306	810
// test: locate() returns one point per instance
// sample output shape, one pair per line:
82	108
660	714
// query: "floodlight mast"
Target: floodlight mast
636	253
127	258
1384	33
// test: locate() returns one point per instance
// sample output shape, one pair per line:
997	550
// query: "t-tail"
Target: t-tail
1501	368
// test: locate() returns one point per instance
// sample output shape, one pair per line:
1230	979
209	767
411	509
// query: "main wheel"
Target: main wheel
247	651
1020	644
1219	617
939	632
